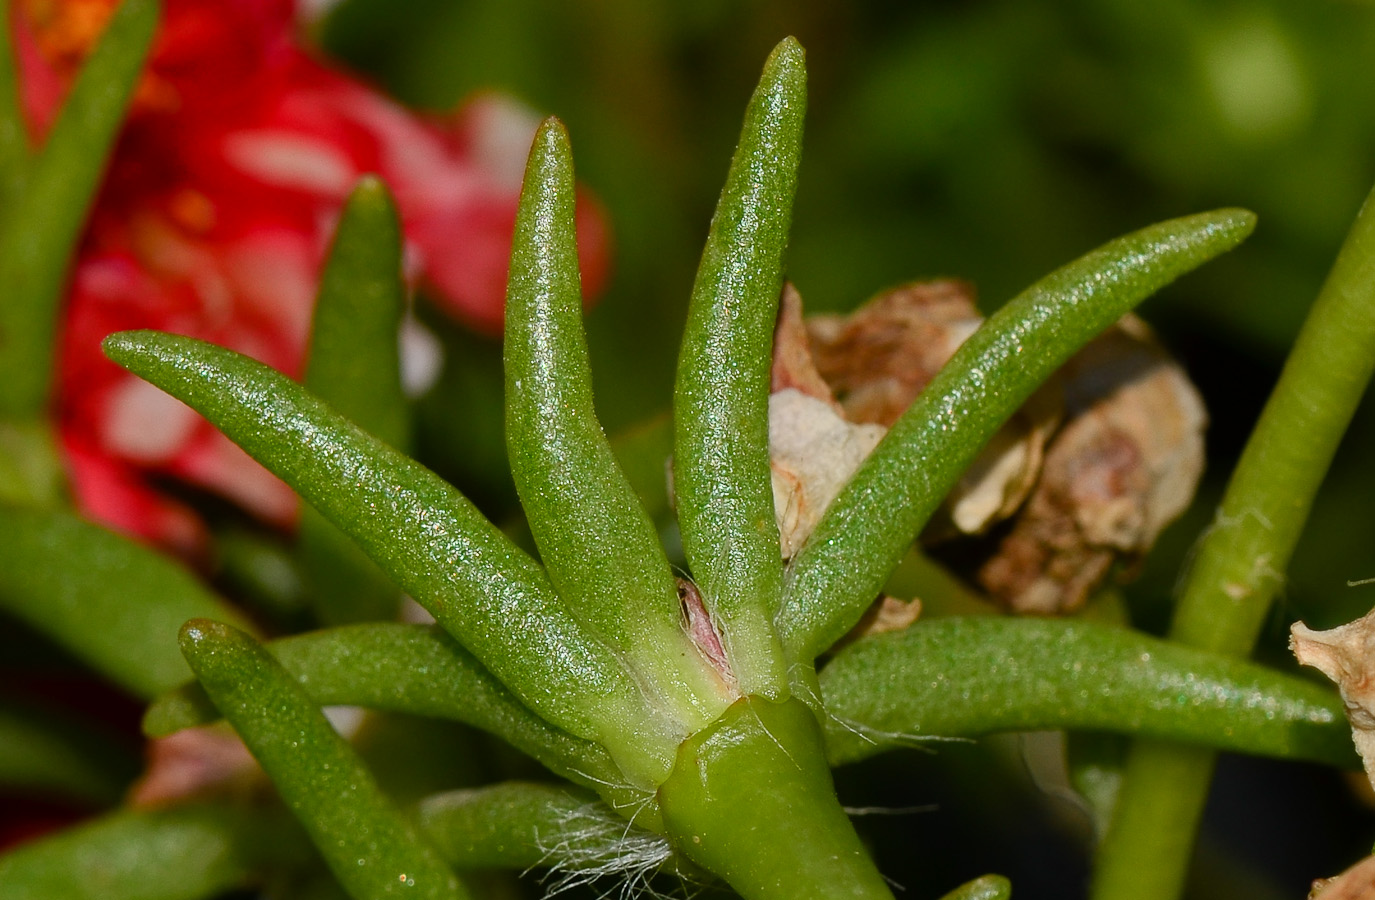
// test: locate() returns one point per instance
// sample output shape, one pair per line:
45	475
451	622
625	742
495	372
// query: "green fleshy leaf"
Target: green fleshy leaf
965	677
721	402
509	825
354	364
480	587
370	847
869	526
187	853
598	545
413	669
41	231
114	604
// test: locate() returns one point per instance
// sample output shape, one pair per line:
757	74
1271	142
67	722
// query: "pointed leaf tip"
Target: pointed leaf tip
788	52
119	345
371	190
551	128
1238	220
551	153
785	71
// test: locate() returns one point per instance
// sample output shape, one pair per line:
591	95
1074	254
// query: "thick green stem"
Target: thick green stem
751	800
1240	561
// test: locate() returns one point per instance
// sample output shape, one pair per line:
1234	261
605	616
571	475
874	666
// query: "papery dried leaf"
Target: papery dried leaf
879	358
793	366
1356	883
1005	472
1346	654
1124	466
812	453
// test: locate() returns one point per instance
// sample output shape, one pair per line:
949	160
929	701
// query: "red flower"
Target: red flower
215	216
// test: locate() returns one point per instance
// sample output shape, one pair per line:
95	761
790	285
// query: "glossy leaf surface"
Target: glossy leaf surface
721	400
598	545
480	587
965	677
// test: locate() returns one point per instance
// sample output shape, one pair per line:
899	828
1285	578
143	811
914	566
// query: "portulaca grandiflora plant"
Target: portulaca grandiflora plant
693	717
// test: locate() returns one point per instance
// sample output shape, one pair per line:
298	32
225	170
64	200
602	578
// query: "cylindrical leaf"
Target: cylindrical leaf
720	409
523	826
353	363
414	669
598	545
1239	564
480	587
187	853
966	677
987	887
370	847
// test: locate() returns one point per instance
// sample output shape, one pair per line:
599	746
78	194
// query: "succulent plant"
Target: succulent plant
695	716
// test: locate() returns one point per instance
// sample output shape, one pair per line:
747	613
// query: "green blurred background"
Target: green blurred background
990	140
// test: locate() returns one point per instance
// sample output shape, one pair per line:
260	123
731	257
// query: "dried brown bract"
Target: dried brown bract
1346	654
1125	465
793	366
877	359
1093	466
885	615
